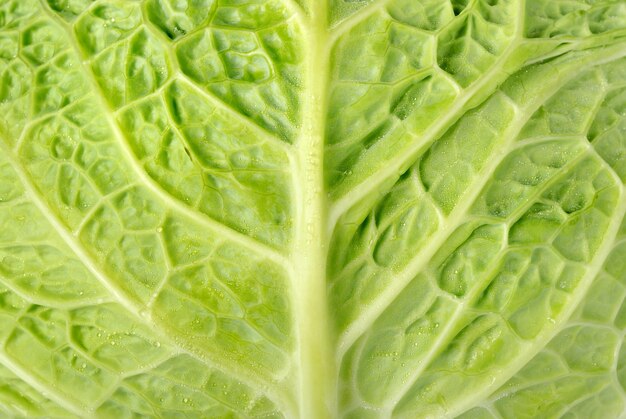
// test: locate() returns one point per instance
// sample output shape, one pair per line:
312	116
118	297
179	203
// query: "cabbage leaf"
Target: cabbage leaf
312	208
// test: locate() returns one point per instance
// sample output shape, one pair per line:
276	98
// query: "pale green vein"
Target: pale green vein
232	113
88	216
44	388
107	395
369	10
164	40
316	391
345	26
584	323
297	10
613	372
84	302
570	408
29	126
48	302
168	268
492	410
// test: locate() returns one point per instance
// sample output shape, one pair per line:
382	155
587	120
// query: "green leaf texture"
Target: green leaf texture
312	208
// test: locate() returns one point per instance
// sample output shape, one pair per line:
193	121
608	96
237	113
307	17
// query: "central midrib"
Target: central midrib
316	370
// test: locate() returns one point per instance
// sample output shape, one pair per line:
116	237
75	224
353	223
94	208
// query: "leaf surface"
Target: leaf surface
299	208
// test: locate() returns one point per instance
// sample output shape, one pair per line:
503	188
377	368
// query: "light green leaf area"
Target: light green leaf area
312	208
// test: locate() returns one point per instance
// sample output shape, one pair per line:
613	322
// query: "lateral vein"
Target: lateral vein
44	388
